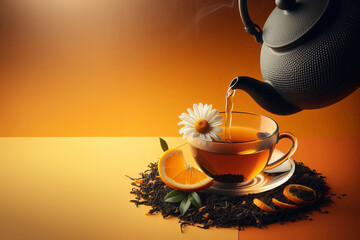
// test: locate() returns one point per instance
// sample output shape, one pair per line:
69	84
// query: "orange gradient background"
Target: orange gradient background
130	67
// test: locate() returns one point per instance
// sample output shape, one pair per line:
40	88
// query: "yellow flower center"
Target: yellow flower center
202	126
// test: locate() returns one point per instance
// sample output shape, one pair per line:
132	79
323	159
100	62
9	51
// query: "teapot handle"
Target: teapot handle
250	27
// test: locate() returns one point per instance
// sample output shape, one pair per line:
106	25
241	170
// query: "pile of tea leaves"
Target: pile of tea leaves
232	211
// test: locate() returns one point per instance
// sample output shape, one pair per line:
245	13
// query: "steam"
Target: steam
212	6
208	7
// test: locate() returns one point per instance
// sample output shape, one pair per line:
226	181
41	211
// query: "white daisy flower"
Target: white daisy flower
202	122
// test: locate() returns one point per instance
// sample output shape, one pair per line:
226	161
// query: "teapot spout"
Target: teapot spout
265	95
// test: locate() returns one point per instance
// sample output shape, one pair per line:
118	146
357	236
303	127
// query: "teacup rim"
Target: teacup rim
250	141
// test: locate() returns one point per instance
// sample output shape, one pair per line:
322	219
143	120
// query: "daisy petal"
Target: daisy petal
187	118
196	111
218	118
208	137
186	129
206	111
212	115
182	129
217	129
192	114
201	111
187	134
186	123
214	124
201	105
215	136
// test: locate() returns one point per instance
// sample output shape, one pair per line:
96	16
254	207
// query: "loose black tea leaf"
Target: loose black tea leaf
230	211
304	195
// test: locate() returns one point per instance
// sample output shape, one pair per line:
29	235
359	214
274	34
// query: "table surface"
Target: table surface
75	188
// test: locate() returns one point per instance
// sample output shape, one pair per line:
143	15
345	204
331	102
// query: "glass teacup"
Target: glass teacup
253	139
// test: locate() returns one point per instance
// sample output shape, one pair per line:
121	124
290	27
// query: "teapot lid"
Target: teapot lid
291	20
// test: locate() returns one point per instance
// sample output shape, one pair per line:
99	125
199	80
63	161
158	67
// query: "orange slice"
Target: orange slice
178	175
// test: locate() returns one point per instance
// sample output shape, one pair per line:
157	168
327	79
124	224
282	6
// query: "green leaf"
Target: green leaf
175	196
195	199
173	193
164	145
184	205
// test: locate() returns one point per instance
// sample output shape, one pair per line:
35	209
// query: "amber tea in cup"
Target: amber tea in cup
245	153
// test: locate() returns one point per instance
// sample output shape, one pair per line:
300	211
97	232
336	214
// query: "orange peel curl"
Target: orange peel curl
263	206
295	198
283	205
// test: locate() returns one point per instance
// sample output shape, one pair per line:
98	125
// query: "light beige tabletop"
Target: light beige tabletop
75	188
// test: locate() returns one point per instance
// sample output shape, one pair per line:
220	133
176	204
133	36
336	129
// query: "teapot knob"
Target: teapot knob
285	4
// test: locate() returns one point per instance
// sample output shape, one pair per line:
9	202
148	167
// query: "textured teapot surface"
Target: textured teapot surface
324	67
310	56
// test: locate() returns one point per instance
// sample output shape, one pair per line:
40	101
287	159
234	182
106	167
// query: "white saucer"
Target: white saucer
265	181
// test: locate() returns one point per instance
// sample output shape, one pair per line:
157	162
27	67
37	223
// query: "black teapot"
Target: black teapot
310	56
